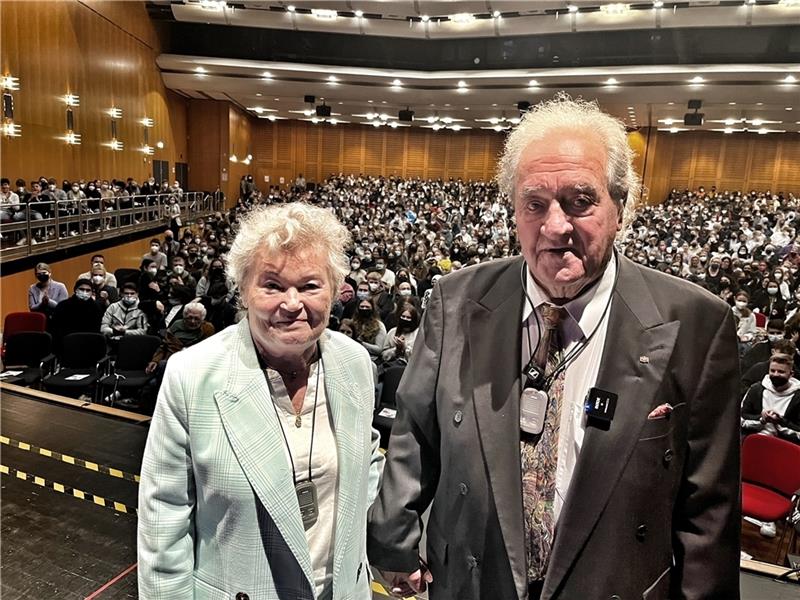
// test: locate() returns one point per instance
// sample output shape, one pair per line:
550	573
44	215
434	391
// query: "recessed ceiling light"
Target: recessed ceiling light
424	18
630	108
697	79
727	130
332	79
494	104
266	75
462	84
275	99
462	18
788	108
611	81
369	101
572	8
789	79
359	13
658	3
731	103
466	108
759	104
671	103
497	14
397	82
259	94
447	104
290	8
533	83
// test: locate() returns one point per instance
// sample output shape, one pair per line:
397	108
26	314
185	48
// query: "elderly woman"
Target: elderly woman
261	461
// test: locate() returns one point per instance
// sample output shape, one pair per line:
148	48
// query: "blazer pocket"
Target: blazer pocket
654	429
660	588
206	591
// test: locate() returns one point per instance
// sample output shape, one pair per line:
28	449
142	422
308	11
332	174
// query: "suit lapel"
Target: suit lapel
495	371
349	430
253	430
635	322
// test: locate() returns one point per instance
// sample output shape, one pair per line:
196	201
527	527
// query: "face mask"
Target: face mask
75	188
91	187
52	187
380	267
83	294
152	271
405	292
179	269
98	279
774	337
778	381
21	190
355	266
129	301
405	322
740	305
151	182
43	277
373	287
772	291
364	312
155	249
362	295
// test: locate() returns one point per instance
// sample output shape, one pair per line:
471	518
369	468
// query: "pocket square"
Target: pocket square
660	412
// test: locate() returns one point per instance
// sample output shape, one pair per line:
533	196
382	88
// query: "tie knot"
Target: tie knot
552	315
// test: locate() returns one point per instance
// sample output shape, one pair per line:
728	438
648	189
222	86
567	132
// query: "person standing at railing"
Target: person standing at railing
30	210
76	204
173	211
9	201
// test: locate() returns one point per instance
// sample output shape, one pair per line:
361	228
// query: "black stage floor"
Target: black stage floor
63	536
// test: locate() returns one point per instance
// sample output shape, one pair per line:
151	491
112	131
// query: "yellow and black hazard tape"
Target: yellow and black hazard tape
71	460
68	490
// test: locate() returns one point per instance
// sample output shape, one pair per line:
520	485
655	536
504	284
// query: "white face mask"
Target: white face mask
405	292
373	287
772	291
154	249
153	271
740	305
774	337
83	294
178	269
98	279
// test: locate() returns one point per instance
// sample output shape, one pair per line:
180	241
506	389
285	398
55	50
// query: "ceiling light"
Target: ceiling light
160	145
456	128
788	108
393	124
674	130
116	145
12	129
668	121
658	3
498	128
759	104
727	130
572	8
332	79
266	75
762	131
271	117
383	116
73	139
615	8
462	18
290	8
147	122
432	119
697	80
462	84
732	103
259	94
750	2
359	13
497	14
436	127
214	5
611	81
10	83
376	123
424	18
200	70
533	83
72	100
115	113
789	79
326	14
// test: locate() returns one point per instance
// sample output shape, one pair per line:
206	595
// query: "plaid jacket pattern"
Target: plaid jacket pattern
217	510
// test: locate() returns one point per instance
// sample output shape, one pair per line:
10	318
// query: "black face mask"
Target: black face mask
43	277
778	381
365	312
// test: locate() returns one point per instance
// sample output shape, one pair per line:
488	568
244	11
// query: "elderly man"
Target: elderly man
572	416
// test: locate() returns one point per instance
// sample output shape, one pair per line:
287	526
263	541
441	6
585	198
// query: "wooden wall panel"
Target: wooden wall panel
415	153
208	147
105	53
395	152
456	154
745	161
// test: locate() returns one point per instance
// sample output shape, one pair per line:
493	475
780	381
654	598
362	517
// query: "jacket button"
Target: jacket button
463	489
458	417
641	532
242	596
667	457
615	597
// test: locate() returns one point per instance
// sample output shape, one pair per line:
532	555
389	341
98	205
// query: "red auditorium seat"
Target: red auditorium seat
17	322
770	478
761	319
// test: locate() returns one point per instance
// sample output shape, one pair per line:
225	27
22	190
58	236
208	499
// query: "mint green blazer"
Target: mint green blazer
218	515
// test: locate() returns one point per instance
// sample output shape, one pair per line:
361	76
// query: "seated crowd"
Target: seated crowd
408	233
44	198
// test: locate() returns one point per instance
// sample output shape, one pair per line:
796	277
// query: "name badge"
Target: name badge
532	410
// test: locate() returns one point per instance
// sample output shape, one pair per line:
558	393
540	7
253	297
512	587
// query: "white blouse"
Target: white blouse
324	466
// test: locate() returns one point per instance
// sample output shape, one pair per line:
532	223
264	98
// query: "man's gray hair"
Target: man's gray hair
565	113
291	228
195	306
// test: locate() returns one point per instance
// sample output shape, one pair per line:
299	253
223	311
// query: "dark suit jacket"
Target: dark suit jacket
653	508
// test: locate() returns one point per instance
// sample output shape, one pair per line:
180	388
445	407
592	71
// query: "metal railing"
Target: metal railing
42	226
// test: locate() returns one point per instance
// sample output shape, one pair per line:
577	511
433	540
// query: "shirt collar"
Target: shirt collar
585	311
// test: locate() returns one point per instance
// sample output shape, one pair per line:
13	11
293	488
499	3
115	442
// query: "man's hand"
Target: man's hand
119	329
402	585
151	366
770	416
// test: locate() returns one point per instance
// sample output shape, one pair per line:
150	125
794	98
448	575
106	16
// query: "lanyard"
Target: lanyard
263	365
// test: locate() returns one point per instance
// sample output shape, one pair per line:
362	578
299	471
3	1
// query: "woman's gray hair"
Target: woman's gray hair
565	113
290	228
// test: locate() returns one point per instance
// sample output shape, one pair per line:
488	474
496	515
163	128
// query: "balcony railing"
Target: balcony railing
70	223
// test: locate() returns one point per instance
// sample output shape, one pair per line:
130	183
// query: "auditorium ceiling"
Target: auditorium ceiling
468	65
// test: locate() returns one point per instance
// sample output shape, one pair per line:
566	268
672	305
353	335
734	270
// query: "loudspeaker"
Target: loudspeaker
695	119
523	106
695	104
406	115
323	110
309	99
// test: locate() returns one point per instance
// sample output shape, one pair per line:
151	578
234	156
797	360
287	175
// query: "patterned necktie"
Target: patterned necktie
539	454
